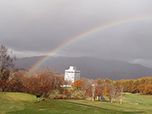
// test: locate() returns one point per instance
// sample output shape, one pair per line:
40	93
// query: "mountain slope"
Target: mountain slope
90	67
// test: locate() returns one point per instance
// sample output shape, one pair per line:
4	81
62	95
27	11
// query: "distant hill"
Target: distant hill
90	67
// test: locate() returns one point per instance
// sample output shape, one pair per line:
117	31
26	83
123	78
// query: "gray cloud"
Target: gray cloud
129	41
41	25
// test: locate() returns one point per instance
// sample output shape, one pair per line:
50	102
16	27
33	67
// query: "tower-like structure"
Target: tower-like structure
72	74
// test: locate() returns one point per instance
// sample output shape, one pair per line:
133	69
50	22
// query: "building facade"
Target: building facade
72	74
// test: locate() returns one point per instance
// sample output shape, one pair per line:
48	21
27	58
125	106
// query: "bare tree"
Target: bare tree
6	65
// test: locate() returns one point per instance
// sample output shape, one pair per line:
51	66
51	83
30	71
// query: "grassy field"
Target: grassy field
19	103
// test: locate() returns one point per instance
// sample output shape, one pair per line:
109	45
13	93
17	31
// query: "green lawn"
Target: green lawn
19	103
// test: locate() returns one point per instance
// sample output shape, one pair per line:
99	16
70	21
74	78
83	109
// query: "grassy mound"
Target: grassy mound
20	103
13	96
14	101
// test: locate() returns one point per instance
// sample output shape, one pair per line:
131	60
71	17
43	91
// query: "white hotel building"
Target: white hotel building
72	74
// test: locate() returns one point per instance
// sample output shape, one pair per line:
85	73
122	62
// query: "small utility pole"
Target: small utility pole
93	92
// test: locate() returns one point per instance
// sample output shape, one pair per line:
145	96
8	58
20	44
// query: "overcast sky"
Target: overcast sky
33	27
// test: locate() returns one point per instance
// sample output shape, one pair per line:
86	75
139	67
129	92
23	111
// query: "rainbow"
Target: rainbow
83	35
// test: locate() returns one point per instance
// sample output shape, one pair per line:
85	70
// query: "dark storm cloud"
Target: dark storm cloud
41	25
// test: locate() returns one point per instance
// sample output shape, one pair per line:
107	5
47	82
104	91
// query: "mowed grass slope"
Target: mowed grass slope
19	103
14	101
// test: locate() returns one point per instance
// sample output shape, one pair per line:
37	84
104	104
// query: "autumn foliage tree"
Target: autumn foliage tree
79	84
108	88
42	84
141	85
15	83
